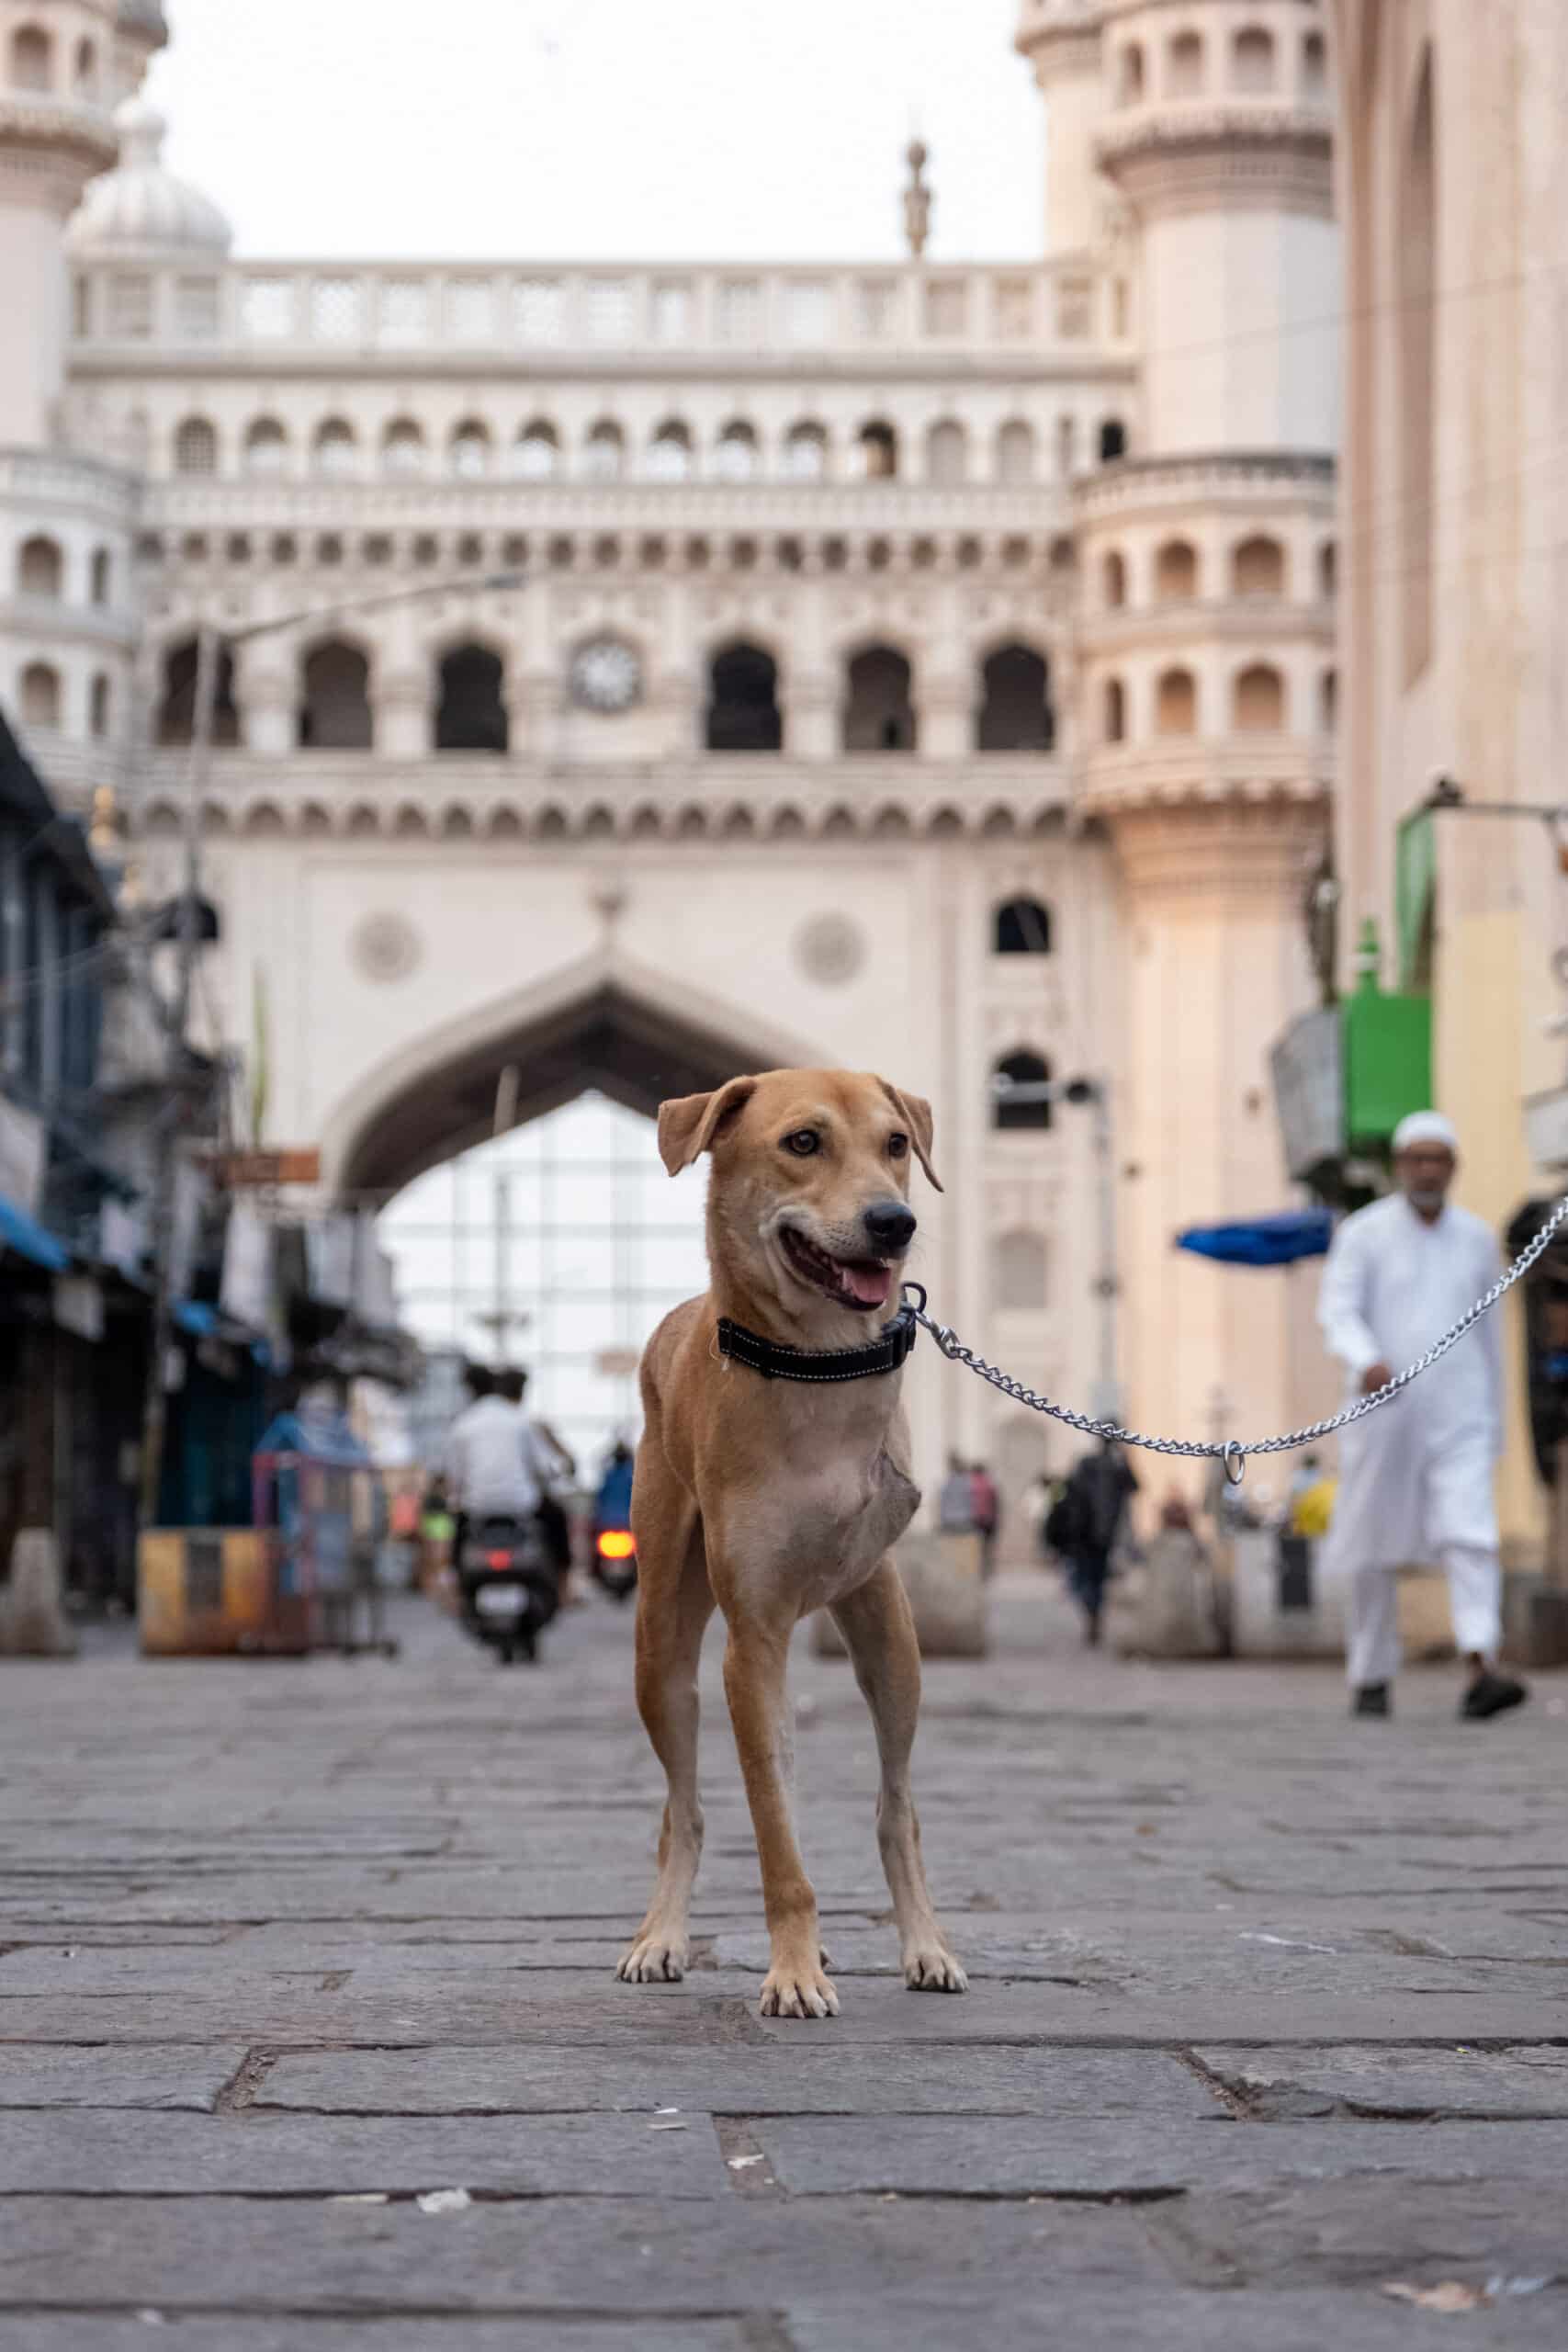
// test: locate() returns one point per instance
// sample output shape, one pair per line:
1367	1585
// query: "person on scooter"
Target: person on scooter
548	1459
613	1516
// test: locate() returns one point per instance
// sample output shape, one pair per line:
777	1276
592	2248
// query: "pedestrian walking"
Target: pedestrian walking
955	1504
1085	1525
1415	1478
986	1504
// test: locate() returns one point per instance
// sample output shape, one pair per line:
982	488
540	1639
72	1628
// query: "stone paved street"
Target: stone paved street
1269	2012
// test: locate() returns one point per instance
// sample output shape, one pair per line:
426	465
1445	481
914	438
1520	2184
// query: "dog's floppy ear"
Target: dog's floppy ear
689	1128
917	1113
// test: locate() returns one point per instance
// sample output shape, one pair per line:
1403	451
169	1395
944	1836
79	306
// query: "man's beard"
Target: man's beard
1431	1196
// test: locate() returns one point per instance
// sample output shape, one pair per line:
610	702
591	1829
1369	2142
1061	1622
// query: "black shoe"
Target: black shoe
1371	1699
1491	1694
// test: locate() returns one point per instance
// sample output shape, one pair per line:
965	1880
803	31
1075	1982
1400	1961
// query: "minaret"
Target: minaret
64	66
1061	40
1207	567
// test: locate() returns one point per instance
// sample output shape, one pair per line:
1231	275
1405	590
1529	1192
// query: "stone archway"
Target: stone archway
604	1024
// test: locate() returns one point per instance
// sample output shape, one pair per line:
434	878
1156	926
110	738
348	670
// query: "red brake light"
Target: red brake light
616	1543
498	1559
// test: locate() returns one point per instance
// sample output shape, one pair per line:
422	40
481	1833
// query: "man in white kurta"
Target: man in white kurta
1416	1479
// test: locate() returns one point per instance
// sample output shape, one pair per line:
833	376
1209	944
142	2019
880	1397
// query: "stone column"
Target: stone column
1216	966
404	719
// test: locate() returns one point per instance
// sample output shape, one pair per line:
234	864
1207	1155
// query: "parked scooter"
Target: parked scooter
509	1590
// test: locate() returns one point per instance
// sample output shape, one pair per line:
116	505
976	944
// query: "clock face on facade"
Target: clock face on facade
607	675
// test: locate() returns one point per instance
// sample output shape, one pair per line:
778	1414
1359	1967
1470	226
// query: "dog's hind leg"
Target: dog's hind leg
674	1603
879	1632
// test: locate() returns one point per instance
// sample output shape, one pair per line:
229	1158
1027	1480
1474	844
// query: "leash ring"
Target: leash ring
1234	1459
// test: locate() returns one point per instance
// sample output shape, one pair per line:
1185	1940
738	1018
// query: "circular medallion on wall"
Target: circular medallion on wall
829	949
607	675
385	947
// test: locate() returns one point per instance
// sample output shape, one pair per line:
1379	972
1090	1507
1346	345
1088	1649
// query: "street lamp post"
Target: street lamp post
1093	1094
210	647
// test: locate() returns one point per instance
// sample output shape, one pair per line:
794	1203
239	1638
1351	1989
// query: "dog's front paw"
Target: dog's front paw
805	1992
654	1959
932	1967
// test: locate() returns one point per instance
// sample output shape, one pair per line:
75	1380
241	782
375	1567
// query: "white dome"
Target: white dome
140	206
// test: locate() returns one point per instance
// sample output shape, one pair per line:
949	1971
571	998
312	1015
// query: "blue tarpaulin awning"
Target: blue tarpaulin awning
1277	1240
28	1238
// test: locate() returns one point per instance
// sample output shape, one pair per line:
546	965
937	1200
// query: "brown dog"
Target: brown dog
772	1497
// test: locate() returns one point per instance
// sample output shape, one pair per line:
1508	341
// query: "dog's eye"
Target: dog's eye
897	1147
802	1143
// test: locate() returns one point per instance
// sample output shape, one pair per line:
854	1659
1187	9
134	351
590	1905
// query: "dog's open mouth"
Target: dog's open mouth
858	1282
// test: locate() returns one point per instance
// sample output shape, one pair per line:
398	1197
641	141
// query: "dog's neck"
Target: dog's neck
816	1324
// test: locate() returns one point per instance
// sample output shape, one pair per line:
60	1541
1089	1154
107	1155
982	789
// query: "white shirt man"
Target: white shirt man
1415	1478
497	1467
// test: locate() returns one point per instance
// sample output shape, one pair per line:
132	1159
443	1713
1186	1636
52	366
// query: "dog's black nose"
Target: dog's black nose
891	1227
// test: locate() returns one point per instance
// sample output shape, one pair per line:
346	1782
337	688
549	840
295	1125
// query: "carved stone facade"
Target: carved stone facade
817	619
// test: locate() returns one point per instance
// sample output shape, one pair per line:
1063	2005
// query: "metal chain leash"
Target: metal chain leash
1232	1452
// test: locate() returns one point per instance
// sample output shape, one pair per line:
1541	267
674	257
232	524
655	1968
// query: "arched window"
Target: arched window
40	569
1184	66
335	454
86	70
947	454
102	576
743	701
1015	707
470	715
877	450
670	454
1259	700
1176	704
1314	66
1113	440
805	453
604	452
1130	80
1018	1272
174	719
335	707
195	447
1115	711
879	712
736	456
99	707
1021	1068
32	66
1252	60
403	451
1015	454
1113	580
1328	702
266	449
1176	572
1328	570
1258	567
41	695
471	451
535	453
1022	927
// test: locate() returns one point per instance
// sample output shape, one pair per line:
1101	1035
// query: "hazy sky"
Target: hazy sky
603	129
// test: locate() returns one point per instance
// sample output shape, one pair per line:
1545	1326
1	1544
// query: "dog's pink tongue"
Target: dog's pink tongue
868	1285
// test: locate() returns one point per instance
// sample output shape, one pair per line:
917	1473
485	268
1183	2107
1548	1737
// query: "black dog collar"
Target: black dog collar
776	1363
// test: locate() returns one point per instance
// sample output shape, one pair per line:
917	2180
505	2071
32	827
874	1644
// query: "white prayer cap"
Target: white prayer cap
1425	1126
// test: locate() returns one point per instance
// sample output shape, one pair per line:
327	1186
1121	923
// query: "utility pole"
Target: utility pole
171	1116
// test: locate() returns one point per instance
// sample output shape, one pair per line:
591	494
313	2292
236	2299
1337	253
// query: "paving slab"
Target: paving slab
577	2254
92	2332
1453	2081
815	2073
1368	2232
154	2076
289	2155
1132	2157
